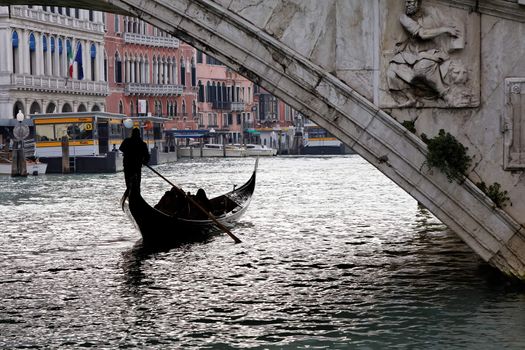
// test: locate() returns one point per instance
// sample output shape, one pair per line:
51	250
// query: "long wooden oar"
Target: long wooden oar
195	203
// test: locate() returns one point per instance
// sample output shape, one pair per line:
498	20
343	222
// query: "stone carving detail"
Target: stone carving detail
426	68
513	124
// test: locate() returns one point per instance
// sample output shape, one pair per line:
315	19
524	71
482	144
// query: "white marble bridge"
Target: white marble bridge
359	68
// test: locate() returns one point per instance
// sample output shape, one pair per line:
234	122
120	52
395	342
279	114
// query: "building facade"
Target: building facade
39	43
150	73
275	122
225	101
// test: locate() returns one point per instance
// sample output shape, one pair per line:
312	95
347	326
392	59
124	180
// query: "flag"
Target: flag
78	60
70	60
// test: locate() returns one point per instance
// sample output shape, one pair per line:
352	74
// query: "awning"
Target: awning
187	134
14	122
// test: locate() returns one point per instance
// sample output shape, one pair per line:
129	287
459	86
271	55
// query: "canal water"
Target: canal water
334	256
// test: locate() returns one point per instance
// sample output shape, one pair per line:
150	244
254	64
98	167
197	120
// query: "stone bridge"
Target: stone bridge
365	69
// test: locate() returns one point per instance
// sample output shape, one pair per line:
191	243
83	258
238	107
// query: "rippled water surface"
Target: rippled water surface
334	256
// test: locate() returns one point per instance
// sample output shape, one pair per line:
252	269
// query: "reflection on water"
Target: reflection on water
334	256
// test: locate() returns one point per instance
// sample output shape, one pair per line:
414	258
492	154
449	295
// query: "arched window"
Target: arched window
155	72
93	61
159	110
118	68
201	92
174	71
199	56
193	73
44	54
120	107
91	16
82	108
69	55
52	70
208	92
61	63
16	54
220	97
193	109
95	108
18	107
182	72
35	108
105	66
32	54
213	92
117	24
66	108
184	108
51	107
131	108
146	71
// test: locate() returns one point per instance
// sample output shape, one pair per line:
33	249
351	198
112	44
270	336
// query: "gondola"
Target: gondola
159	228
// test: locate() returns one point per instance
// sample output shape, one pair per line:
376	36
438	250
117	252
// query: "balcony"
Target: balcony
58	85
150	40
237	107
152	89
228	106
66	22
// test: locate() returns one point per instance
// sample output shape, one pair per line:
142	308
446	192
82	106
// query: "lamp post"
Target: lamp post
20	132
128	123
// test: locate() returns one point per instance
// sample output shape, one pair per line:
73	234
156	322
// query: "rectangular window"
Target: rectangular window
74	131
44	133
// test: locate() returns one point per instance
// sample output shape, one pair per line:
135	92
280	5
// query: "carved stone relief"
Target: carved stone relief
431	57
513	124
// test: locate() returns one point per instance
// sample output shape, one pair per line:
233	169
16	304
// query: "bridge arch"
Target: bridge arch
258	48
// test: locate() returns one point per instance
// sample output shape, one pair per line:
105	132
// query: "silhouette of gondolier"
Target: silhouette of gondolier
135	155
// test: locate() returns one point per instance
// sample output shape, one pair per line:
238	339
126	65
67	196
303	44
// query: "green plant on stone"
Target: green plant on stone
410	125
448	155
494	193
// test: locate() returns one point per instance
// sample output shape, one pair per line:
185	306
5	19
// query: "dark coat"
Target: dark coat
135	152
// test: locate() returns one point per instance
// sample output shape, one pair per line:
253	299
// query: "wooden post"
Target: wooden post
18	165
65	155
223	145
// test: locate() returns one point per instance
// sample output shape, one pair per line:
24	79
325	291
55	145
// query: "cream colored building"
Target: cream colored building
34	64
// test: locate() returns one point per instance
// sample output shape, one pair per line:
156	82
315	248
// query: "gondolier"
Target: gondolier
135	155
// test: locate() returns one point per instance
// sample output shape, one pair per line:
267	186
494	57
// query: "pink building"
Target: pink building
150	73
225	101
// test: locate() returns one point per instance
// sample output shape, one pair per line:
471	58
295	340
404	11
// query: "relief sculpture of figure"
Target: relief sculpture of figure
420	63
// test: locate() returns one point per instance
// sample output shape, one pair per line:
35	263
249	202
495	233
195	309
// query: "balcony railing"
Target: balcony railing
152	89
58	84
228	106
150	40
237	106
56	19
223	105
